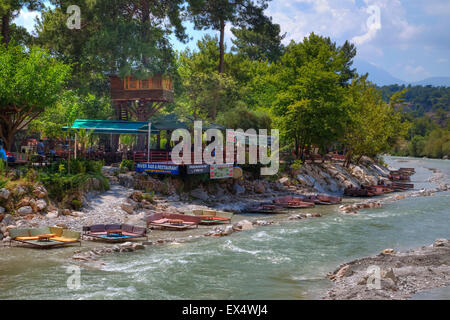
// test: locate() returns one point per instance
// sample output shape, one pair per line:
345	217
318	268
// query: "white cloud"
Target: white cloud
27	19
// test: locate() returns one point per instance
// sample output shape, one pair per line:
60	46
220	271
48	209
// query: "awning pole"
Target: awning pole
75	151
149	141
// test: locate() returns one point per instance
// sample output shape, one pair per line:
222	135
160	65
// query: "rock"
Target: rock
199	193
25	210
66	212
388	251
238	189
8	220
116	248
4	193
259	187
41	204
40	192
20	191
136	196
345	271
126	244
228	230
129	206
24	202
138	246
126	180
2	211
29	217
389	275
52	215
243	225
284	181
109	171
440	243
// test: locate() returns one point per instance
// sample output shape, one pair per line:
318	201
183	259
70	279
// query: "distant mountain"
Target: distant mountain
433	81
377	75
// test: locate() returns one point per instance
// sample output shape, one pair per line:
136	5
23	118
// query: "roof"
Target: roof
111	126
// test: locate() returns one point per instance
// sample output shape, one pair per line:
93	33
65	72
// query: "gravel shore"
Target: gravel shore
393	275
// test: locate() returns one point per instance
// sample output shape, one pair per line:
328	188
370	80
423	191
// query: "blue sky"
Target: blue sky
411	40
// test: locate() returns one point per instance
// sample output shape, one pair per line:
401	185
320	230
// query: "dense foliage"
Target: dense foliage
307	89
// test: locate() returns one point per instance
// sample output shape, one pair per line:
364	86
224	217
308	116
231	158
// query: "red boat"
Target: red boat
359	192
292	202
322	199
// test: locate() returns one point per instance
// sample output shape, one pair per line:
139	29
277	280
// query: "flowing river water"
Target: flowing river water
286	261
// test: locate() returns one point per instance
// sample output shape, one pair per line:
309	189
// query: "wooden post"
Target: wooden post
75	150
149	141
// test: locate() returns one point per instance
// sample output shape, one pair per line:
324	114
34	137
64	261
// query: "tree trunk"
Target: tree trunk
6	37
222	45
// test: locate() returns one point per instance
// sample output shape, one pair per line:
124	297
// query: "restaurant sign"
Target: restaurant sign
221	171
157	168
197	168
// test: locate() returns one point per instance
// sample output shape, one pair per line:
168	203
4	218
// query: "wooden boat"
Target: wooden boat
264	208
384	188
44	237
322	199
359	192
398	176
212	216
408	171
114	233
172	221
292	202
399	186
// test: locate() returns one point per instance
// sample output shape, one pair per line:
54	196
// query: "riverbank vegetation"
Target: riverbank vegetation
308	90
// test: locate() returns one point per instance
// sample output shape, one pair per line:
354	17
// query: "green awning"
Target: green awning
112	126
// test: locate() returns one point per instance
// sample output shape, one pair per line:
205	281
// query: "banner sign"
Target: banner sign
221	171
197	168
157	168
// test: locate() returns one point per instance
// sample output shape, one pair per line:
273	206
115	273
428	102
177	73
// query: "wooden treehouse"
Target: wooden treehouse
139	98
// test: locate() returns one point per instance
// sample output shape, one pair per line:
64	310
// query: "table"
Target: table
44	237
114	232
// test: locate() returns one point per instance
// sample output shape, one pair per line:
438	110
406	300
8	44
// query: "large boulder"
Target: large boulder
129	206
4	193
25	210
243	225
199	193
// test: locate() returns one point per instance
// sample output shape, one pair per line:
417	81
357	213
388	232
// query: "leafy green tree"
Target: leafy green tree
374	125
215	14
124	37
30	81
260	41
309	98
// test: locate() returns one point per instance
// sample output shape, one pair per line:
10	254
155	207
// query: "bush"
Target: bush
76	204
127	164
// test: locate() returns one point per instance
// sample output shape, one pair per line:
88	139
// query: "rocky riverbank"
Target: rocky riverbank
393	275
124	204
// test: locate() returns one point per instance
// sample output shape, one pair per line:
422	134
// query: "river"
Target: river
286	261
